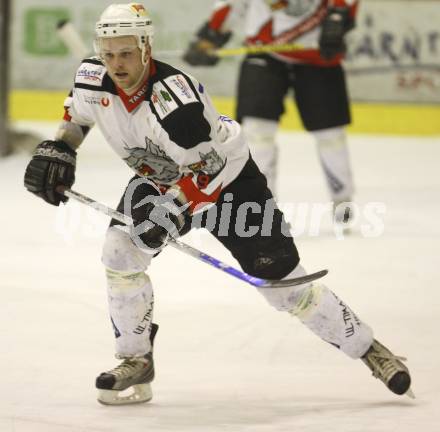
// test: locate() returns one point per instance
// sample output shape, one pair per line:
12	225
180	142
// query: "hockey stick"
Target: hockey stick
244	50
72	39
189	250
257	49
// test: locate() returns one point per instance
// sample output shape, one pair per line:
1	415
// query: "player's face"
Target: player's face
122	58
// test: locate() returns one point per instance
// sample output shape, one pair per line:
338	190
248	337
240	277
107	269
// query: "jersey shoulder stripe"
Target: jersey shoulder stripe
178	107
177	81
170	89
162	100
180	87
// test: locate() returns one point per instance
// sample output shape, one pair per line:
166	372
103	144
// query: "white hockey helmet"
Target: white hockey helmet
130	19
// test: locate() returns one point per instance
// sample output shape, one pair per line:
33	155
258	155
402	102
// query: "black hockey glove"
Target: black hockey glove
52	165
199	50
334	26
156	218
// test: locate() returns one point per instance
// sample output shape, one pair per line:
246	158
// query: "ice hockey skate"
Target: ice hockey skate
389	369
127	383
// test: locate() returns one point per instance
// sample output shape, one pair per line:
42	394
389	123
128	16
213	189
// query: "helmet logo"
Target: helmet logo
105	102
139	9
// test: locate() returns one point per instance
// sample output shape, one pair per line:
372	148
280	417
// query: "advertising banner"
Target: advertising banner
393	54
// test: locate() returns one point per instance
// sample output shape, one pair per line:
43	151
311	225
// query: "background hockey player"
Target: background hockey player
185	156
313	70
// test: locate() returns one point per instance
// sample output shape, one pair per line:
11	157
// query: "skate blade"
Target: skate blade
136	394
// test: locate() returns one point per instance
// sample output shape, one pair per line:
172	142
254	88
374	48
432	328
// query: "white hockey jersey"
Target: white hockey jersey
168	131
280	22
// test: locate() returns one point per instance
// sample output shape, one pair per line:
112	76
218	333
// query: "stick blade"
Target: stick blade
294	281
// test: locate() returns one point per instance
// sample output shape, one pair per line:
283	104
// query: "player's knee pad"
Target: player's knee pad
128	283
271	258
121	254
285	299
259	132
330	138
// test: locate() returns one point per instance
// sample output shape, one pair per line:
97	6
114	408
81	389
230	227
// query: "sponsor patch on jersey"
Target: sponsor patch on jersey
163	102
90	74
92	100
138	95
180	87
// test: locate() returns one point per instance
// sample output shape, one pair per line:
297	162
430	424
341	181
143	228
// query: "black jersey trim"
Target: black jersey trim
93	61
107	85
187	126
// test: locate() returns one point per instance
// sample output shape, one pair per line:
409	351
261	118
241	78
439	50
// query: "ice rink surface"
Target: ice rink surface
225	360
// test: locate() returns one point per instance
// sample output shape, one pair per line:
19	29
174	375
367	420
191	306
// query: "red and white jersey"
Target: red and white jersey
280	22
168	131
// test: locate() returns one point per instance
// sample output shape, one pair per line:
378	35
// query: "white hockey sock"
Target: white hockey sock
260	134
131	300
283	299
320	310
335	161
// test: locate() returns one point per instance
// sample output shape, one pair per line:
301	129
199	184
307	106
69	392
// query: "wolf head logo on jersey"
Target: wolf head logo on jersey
213	162
210	163
152	162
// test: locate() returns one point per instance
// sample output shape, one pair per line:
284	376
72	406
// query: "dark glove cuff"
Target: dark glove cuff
217	38
344	15
58	150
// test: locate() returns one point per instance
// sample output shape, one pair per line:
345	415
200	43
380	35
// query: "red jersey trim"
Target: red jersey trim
219	17
131	102
289	35
67	116
194	195
311	55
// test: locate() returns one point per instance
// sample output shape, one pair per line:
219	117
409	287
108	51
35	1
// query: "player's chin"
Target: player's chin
121	78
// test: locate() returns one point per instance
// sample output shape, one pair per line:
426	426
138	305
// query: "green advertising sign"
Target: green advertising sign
40	26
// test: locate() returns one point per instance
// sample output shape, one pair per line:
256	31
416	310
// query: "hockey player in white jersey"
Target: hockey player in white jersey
313	70
186	157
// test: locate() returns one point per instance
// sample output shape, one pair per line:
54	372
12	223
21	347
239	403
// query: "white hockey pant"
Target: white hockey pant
260	135
130	293
323	313
335	161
